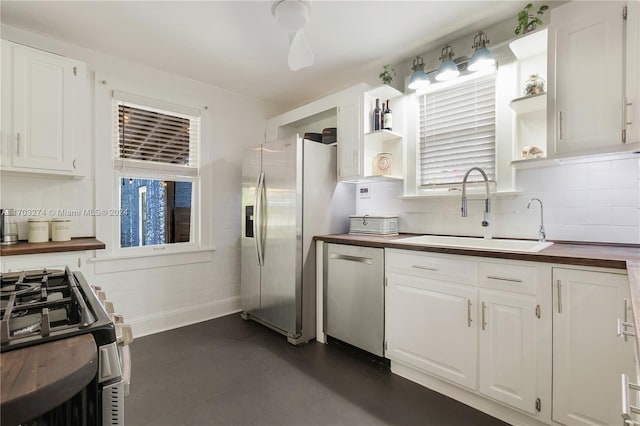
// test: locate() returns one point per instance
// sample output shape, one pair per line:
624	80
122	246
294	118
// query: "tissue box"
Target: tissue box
376	225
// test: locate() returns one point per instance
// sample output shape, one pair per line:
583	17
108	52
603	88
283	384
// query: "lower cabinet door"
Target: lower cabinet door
507	361
588	357
431	326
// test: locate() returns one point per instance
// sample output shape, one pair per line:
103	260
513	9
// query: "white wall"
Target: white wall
594	201
181	289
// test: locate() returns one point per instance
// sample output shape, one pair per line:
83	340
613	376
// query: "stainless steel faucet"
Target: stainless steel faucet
485	222
542	236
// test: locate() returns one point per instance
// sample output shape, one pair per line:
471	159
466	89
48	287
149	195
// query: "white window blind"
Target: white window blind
148	134
457	131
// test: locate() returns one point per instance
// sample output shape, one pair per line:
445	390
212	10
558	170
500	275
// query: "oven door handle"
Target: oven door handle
125	359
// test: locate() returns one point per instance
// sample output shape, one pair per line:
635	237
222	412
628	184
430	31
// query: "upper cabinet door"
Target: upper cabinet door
44	92
350	137
587	58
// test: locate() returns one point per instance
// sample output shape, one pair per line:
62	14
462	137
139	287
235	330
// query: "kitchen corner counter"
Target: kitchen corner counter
38	378
75	244
615	256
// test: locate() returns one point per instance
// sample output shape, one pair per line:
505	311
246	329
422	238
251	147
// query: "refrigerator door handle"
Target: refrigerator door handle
257	222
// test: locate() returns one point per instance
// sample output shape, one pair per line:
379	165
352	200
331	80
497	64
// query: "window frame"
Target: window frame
507	88
131	168
439	87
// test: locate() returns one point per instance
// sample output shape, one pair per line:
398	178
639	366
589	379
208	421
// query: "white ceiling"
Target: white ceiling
238	46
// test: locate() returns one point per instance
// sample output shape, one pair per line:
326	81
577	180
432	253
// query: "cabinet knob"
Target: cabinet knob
74	163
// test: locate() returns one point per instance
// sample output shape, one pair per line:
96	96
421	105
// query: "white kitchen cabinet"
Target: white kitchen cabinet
44	108
508	348
480	324
350	137
632	98
588	357
586	85
431	325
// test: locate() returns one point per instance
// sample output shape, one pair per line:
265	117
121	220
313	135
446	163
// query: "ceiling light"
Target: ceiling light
482	58
291	16
448	69
419	78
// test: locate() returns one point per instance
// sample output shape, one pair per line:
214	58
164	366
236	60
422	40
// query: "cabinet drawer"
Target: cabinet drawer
449	268
513	277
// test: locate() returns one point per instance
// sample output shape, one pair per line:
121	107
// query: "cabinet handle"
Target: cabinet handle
511	280
468	312
366	260
560	125
426	268
622	329
74	164
559	298
484	319
627	408
625	112
18	144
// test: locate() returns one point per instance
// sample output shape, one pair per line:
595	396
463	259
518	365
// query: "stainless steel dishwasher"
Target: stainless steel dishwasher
354	296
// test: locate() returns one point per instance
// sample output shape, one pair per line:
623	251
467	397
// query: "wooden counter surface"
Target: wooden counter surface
41	377
76	244
596	255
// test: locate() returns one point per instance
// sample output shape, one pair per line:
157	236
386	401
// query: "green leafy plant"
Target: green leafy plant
528	22
387	74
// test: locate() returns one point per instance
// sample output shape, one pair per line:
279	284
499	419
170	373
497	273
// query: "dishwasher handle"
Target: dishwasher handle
366	260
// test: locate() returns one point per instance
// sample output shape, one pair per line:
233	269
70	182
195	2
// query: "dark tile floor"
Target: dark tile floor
229	371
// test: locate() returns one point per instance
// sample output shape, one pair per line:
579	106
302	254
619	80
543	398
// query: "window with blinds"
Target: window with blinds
457	131
148	134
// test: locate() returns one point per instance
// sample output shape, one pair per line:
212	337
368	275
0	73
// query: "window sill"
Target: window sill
156	259
457	194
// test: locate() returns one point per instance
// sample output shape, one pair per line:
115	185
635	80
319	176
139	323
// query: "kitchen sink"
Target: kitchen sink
476	243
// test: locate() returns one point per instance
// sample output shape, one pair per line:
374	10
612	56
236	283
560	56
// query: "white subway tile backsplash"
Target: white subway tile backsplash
595	201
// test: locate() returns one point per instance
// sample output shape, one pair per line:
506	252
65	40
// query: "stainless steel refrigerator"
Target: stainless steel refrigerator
289	194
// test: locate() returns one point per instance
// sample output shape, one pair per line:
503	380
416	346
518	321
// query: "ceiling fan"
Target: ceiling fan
292	16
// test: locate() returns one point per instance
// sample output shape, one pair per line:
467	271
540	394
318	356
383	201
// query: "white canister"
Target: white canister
60	229
38	231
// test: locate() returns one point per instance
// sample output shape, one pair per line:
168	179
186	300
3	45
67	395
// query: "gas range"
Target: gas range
40	306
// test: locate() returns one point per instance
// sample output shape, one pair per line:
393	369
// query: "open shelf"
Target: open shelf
382	136
530	44
530	103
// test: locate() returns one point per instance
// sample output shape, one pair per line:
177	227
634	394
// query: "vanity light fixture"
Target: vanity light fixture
448	69
482	58
419	78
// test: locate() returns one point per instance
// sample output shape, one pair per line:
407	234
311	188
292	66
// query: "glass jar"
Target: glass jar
534	85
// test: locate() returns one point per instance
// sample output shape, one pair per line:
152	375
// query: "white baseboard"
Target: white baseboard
180	317
471	399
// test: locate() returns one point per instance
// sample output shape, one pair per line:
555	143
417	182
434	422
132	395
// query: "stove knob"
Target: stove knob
117	318
124	335
96	288
108	306
102	296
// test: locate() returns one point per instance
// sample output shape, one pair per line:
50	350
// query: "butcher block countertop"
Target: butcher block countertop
588	254
616	256
41	377
75	244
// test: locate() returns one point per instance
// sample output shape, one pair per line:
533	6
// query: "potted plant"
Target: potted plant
387	74
528	22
